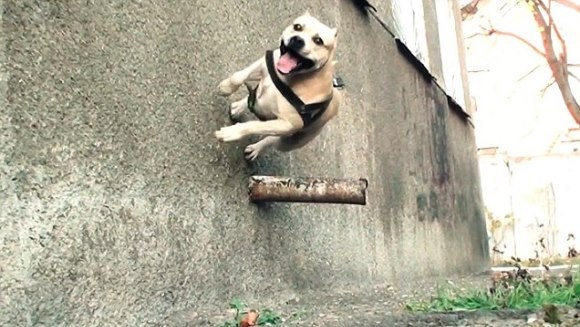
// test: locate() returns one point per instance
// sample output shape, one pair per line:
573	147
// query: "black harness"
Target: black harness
308	112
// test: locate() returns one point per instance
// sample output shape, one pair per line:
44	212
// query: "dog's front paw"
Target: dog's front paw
226	87
230	133
252	151
237	109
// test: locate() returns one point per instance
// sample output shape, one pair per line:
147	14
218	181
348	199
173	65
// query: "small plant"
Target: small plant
266	317
269	317
513	290
238	305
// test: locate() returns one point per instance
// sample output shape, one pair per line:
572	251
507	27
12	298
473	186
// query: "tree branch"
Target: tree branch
569	4
491	30
552	26
543	91
574	76
558	66
529	73
469	9
476	34
558	63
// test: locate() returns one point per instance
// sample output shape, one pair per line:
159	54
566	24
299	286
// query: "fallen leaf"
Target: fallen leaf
249	319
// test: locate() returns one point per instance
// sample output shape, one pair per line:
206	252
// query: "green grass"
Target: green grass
522	295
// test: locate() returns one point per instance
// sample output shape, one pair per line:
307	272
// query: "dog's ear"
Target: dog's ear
335	32
307	13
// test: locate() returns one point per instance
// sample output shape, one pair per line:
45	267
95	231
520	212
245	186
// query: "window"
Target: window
410	27
450	56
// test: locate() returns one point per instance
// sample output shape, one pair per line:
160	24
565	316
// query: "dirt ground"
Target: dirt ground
383	306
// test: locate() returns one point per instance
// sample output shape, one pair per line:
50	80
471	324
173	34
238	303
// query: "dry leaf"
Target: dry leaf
249	319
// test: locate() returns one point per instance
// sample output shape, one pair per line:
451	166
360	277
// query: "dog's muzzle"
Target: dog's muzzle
295	43
290	60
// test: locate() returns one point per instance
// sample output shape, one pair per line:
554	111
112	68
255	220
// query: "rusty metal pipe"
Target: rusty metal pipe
307	189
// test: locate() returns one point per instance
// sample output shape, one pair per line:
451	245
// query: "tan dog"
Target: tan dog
304	63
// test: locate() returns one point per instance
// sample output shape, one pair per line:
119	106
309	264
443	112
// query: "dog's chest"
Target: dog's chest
266	95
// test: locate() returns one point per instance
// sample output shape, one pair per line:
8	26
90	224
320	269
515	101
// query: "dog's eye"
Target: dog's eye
297	27
318	40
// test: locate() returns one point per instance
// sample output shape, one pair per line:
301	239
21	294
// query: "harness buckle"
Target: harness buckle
338	83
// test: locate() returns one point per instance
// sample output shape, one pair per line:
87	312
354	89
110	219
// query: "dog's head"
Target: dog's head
305	46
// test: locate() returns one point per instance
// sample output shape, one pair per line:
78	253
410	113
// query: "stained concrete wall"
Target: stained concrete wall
120	208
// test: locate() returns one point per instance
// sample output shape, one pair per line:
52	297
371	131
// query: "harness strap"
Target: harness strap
309	112
252	95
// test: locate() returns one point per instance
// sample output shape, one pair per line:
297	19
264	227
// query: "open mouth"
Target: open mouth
291	62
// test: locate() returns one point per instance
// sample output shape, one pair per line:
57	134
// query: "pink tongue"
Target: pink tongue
286	63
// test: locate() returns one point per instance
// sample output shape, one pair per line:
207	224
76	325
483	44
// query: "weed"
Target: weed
518	294
267	317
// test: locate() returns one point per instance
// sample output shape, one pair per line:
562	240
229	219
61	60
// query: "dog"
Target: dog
295	96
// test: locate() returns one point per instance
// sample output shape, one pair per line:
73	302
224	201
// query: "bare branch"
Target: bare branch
543	91
492	30
569	4
512	4
549	11
552	26
469	9
476	34
558	65
529	73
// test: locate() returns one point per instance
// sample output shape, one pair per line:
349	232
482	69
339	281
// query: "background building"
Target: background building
528	143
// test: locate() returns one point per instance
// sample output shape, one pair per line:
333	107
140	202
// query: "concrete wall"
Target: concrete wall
120	207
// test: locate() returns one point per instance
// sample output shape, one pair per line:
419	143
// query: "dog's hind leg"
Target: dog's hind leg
298	140
284	143
252	151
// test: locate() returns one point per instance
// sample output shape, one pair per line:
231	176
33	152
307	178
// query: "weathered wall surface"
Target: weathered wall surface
120	207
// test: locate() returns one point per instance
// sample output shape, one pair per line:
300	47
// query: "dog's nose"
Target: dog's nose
296	43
